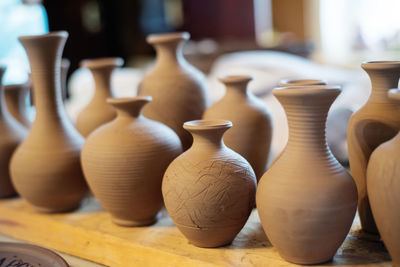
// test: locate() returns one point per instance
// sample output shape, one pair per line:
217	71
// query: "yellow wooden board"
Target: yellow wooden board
89	233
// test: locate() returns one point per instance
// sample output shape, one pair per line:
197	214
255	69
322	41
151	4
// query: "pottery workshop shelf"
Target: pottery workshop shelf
89	233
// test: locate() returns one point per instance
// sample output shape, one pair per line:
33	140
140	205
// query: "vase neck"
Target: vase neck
236	86
129	108
207	134
169	54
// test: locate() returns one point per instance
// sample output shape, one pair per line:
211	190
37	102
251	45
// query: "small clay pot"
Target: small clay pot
98	112
209	190
16	98
124	162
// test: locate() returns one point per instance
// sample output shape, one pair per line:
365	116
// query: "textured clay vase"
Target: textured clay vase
11	134
124	162
376	122
98	112
306	200
251	133
383	183
178	89
16	98
45	168
209	190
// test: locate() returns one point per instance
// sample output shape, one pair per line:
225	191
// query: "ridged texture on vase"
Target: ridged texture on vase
98	112
124	162
306	200
251	133
178	89
45	168
209	190
11	135
376	122
16	96
383	183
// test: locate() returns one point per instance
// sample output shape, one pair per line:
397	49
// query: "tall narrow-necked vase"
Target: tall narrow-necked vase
306	200
178	89
17	102
45	168
98	112
376	122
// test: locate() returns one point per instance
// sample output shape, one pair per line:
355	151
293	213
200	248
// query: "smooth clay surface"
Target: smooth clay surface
251	133
306	200
178	89
124	162
376	122
209	190
45	168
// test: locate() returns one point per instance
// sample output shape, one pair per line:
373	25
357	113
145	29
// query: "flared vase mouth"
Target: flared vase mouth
207	124
394	94
301	82
128	100
380	65
307	90
102	62
63	34
167	37
227	79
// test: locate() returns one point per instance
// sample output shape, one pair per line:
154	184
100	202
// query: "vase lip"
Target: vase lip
235	78
307	90
207	124
128	100
167	37
301	82
380	64
63	34
394	94
102	62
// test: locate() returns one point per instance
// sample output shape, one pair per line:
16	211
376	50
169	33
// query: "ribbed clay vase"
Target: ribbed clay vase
178	89
209	190
11	134
124	162
383	183
251	133
98	112
306	200
16	98
376	122
45	168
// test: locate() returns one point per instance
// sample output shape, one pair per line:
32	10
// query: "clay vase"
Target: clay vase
65	63
376	122
251	133
45	168
209	190
383	183
306	200
98	112
16	96
178	89
11	134
124	162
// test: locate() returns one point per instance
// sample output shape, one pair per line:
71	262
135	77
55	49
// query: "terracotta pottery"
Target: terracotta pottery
376	122
209	190
301	82
45	168
11	134
178	89
16	96
306	200
65	63
251	133
124	162
383	183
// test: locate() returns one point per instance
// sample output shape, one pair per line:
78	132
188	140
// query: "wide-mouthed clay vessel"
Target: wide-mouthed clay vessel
376	122
383	183
98	112
178	89
251	133
306	200
124	162
45	168
16	96
209	190
11	134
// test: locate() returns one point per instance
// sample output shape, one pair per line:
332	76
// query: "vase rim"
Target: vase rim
102	62
295	82
127	100
167	37
306	90
380	64
63	34
207	124
234	78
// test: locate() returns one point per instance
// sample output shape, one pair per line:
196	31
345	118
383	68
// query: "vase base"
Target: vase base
132	223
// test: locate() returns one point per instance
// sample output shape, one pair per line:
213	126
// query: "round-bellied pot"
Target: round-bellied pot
124	162
16	96
209	190
306	200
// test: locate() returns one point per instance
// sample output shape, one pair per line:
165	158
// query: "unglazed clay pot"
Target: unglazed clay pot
124	162
251	133
383	183
45	168
306	200
16	98
178	89
376	122
98	112
11	134
209	190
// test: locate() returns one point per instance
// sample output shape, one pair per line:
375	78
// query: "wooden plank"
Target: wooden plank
89	234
